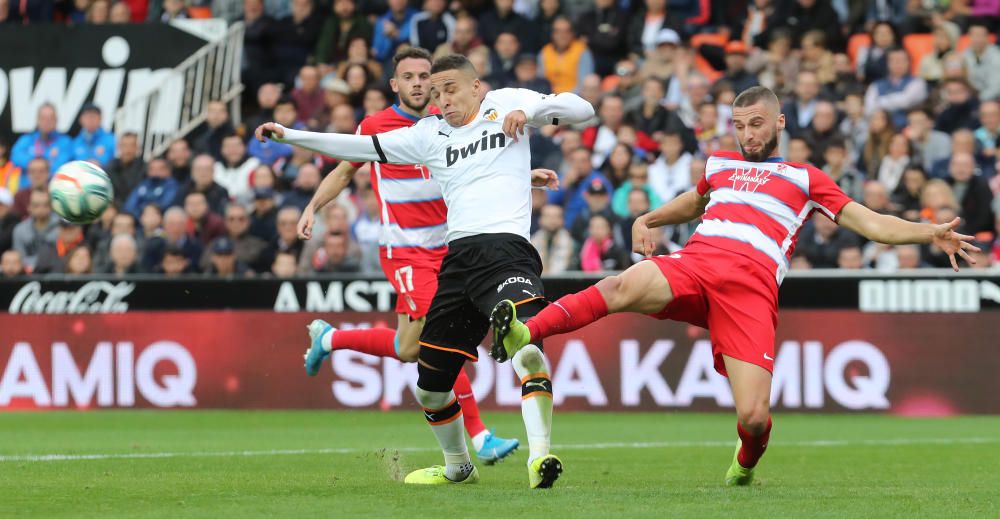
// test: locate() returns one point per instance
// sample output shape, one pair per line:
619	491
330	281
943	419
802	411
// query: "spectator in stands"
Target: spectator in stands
638	178
308	96
502	18
122	223
503	58
606	28
375	101
854	126
526	75
822	240
284	266
873	59
223	262
647	24
294	39
358	79
45	142
962	141
258	29
799	112
821	131
176	234
880	132
121	13
638	204
79	261
392	29
201	181
669	175
366	228
286	240
335	93
736	67
12	177
908	257
38	178
39	228
548	11
11	265
157	188
465	42
850	258
799	150
875	196
603	137
617	166
208	136
267	97
205	225
972	193
982	59
249	248
290	169
233	172
816	57
179	158
574	182
775	66
98	12
124	255
333	257
174	263
270	151
599	252
127	169
907	196
929	145
899	157
802	16
989	129
7	220
171	10
959	108
264	218
651	117
151	221
303	187
931	67
433	26
661	62
340	31
565	61
899	91
598	202
552	241
93	143
100	230
53	255
627	85
342	120
841	171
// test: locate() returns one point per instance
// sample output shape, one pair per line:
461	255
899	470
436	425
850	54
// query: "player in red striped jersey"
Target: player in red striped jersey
412	245
727	276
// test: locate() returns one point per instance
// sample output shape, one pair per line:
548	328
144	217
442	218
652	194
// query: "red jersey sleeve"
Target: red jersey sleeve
826	194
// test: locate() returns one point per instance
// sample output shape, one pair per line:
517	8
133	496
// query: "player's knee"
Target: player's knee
408	351
529	359
754	417
613	288
433	399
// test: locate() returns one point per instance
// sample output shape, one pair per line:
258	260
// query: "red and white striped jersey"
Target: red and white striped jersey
414	215
757	208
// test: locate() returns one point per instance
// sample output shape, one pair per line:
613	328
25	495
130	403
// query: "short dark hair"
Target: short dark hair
287	100
837	142
978	22
453	62
412	53
754	95
232	134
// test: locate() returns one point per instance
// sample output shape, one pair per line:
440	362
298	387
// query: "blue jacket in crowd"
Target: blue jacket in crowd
99	146
152	190
58	148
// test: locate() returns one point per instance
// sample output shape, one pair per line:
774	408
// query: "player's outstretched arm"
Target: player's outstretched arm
328	190
896	231
538	110
356	148
682	209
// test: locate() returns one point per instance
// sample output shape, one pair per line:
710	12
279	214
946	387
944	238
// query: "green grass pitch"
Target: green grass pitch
232	464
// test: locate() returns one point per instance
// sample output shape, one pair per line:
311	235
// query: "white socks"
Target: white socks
479	440
536	399
444	415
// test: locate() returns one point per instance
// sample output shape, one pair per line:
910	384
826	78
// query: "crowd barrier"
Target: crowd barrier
921	344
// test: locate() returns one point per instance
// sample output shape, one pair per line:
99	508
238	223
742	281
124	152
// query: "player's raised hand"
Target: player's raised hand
951	242
513	124
269	131
545	178
306	221
642	238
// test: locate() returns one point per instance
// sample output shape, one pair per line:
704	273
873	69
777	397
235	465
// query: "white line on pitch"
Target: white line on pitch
570	446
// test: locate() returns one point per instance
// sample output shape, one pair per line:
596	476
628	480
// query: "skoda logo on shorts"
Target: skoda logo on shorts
515	279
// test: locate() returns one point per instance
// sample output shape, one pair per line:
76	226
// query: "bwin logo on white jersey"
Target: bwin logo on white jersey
749	179
515	279
496	140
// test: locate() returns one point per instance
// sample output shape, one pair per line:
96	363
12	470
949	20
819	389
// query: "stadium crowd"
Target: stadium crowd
898	101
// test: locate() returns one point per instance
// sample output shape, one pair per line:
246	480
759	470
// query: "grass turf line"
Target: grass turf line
929	477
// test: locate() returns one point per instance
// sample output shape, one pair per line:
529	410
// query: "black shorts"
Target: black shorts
478	272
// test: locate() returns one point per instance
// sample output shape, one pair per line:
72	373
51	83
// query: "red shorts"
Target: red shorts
733	296
415	280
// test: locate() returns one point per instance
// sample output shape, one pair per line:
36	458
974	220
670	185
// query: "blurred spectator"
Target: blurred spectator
179	158
908	257
284	266
638	178
40	228
270	151
335	93
358	79
822	240
598	202
174	263
12	177
775	67
854	126
79	261
392	29
802	16
936	195
303	188
799	262
650	117
618	163
11	265
929	145
286	240
121	12
208	136
647	24
27	13
294	38
502	18
465	42
695	93
907	196
548	11
170	10
931	67
333	257
202	181
821	131
574	182
359	53
799	112
972	192
93	142
223	261
876	197
340	30
989	131
816	57
375	101
960	106
7	220
899	91
258	30
126	170
121	224
267	97
526	75
335	217
736	67
151	221
45	142
841	171
638	205
365	231
98	13
846	81
669	175
662	62
601	139
627	84
433	26
249	248
552	241
599	252
850	258
503	58
176	235
873	59
157	188
342	120
880	132
982	59
606	29
899	157
565	61
307	96
290	169
54	255
205	225
100	230
799	151
234	170
124	253
264	218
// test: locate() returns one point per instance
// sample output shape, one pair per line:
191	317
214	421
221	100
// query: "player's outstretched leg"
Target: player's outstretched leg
751	385
536	409
444	414
324	338
642	288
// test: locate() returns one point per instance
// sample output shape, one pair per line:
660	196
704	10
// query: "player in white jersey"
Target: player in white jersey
480	156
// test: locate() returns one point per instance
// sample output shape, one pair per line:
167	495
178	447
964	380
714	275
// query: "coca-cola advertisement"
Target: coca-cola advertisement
826	360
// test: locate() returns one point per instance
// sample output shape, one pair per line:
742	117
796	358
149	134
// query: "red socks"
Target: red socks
568	313
470	409
380	342
753	447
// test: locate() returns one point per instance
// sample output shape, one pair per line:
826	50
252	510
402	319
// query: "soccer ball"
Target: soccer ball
80	191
